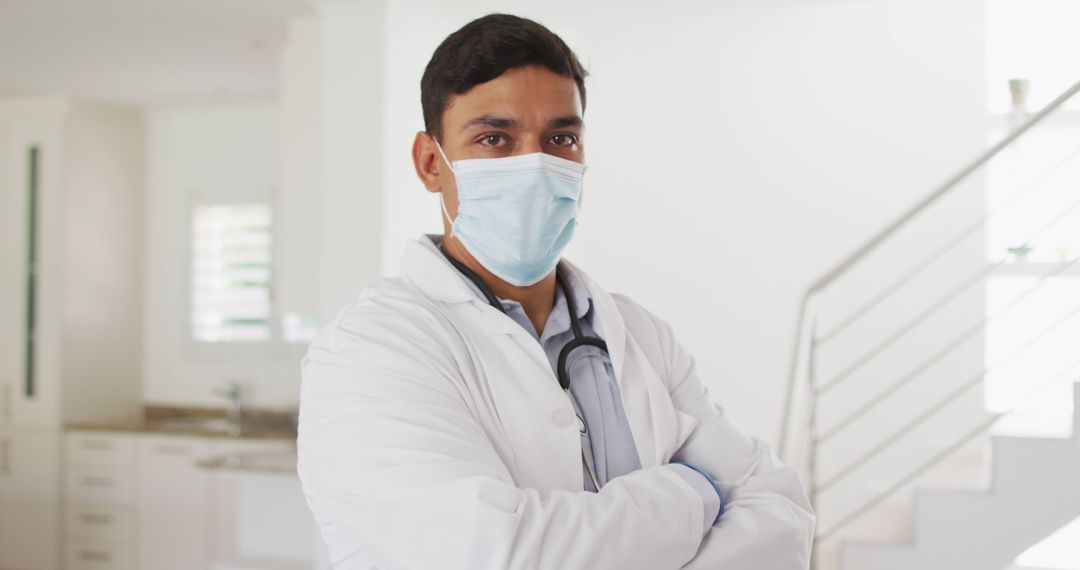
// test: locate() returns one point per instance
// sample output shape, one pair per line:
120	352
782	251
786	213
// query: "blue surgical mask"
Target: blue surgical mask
516	214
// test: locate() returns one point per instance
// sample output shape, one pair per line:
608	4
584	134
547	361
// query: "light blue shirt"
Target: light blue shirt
607	438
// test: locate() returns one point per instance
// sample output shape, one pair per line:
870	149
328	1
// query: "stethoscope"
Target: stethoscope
578	341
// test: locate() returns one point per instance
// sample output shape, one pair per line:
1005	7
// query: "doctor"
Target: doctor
492	406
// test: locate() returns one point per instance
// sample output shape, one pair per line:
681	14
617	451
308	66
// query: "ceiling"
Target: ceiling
143	51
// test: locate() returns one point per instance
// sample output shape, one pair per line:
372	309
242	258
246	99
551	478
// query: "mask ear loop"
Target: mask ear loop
442	201
443	154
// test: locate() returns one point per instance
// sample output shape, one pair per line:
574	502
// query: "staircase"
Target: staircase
918	352
1035	490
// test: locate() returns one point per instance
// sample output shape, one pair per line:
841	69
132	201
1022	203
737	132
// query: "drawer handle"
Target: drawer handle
95	518
96	444
96	481
94	555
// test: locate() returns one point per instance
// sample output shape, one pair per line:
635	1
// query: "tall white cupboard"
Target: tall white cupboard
70	297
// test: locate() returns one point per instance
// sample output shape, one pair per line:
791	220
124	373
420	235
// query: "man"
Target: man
492	407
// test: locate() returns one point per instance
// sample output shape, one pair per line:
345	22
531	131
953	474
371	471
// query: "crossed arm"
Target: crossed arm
394	460
768	522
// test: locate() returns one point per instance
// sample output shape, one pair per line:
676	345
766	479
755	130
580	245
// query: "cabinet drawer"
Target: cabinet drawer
101	448
99	486
93	522
97	556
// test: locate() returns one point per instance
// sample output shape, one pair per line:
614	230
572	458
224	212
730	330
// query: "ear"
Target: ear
427	161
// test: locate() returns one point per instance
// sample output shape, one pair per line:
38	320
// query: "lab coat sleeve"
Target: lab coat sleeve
390	455
768	522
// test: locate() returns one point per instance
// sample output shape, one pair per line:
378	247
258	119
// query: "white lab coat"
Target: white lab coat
434	436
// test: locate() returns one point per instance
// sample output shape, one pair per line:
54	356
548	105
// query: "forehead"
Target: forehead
531	94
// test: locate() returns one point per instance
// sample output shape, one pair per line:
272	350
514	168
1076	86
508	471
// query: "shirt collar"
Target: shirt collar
582	298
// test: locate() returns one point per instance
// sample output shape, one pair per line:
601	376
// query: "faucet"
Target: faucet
235	394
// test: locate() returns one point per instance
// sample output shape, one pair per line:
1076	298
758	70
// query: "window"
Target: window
231	273
1035	233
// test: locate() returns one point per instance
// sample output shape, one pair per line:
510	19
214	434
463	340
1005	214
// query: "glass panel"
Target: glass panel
231	272
1043	225
1032	381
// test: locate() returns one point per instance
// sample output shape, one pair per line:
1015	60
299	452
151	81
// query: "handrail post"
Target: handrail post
812	431
793	447
784	447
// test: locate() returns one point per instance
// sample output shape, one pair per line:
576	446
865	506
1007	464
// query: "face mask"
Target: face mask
516	214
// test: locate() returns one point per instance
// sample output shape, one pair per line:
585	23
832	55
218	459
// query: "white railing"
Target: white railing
803	433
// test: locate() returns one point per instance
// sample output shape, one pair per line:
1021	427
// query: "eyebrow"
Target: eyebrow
565	121
490	121
508	123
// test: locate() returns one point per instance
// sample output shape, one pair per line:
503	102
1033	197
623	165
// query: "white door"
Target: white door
173	503
29	500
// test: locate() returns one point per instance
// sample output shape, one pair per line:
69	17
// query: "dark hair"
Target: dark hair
484	49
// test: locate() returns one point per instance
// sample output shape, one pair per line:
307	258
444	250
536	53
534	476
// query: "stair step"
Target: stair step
1034	492
877	557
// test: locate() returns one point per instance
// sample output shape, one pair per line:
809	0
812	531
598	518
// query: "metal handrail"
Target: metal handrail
937	458
939	253
925	365
803	343
799	421
940	404
974	278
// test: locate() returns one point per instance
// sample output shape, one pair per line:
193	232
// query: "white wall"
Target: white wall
203	149
737	149
331	161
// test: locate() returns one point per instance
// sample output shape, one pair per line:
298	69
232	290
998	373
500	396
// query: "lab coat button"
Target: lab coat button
562	417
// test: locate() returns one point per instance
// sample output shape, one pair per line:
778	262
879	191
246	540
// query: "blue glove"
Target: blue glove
714	484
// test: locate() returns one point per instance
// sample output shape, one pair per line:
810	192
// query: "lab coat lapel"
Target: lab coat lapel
492	321
428	269
647	404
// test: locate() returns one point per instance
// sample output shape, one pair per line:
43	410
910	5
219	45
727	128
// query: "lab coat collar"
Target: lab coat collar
425	266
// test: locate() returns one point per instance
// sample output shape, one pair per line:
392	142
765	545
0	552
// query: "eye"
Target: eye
563	139
491	140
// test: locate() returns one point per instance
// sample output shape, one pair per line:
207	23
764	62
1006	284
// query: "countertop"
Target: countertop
164	426
205	422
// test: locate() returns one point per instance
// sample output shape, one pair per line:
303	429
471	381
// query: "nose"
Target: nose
529	145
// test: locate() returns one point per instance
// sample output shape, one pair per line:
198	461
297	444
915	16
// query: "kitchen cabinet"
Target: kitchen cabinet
260	519
70	290
99	511
142	500
29	504
173	503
